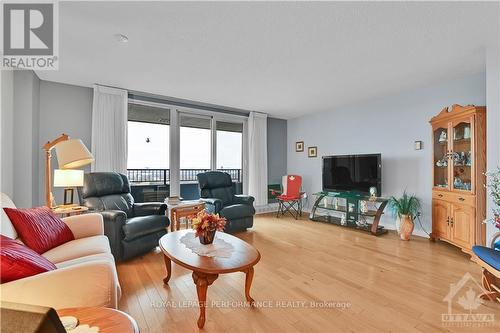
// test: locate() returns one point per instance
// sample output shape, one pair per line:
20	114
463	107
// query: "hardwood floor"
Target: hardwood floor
390	285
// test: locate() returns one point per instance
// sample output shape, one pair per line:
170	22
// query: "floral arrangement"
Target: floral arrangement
204	223
493	187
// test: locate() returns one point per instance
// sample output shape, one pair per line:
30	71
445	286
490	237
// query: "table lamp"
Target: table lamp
71	153
68	179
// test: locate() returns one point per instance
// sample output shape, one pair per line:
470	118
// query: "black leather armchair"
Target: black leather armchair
216	190
132	228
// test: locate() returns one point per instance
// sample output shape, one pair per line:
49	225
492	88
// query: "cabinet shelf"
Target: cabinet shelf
461	140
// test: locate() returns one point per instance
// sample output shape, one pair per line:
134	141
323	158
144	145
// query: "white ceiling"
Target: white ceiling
286	59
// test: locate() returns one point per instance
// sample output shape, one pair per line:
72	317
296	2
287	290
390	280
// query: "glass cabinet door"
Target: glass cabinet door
462	155
441	157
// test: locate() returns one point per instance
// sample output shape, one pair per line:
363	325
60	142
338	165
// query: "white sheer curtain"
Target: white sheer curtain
257	157
109	129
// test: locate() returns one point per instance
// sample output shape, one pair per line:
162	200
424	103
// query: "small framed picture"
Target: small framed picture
312	151
299	146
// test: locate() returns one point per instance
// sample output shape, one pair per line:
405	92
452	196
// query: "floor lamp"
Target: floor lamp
71	153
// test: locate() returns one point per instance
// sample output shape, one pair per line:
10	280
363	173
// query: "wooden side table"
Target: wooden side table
65	211
184	209
108	320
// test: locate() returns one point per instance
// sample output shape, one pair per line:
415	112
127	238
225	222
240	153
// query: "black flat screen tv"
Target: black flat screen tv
353	173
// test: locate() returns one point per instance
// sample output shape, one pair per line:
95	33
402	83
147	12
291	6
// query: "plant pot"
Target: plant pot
406	228
207	237
398	225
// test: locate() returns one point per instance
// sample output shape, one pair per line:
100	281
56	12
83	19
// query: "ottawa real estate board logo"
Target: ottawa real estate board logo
465	300
30	35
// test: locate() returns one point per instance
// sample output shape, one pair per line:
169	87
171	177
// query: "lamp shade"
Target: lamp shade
73	154
68	178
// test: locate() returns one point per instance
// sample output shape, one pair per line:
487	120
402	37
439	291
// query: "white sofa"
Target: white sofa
85	275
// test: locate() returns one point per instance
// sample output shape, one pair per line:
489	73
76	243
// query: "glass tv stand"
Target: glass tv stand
350	209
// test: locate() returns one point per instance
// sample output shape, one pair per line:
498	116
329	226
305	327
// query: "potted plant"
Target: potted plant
405	209
493	186
205	226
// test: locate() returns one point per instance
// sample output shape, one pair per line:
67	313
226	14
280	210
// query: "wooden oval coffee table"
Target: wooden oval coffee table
207	269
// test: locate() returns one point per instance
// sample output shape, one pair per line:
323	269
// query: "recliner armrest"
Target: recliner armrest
114	216
149	208
212	205
243	199
114	220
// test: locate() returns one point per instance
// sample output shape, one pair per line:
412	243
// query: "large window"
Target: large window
229	145
148	161
148	145
148	137
195	142
201	141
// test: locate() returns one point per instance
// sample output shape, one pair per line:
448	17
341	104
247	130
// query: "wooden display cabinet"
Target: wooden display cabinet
458	192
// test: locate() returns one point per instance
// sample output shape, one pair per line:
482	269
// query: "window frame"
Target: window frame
174	149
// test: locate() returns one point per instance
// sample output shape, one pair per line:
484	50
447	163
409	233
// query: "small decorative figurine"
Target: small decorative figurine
442	137
467	132
468	159
363	206
343	220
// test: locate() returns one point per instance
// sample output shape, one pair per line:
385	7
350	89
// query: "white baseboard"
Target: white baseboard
269	208
273	207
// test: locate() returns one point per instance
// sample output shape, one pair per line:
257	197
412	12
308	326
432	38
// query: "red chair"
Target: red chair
290	199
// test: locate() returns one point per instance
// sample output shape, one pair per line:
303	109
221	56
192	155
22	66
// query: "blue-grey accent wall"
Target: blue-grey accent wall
276	149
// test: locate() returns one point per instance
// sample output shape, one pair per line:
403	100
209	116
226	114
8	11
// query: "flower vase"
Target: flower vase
398	225
207	237
406	227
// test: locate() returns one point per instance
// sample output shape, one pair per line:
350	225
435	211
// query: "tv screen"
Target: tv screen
352	173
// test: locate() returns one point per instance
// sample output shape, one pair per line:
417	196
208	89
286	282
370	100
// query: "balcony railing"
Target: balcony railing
162	176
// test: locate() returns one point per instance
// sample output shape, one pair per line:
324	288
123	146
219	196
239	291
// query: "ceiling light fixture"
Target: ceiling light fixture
121	38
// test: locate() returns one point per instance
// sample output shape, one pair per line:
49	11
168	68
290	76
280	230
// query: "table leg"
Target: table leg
202	282
177	222
248	284
172	220
168	265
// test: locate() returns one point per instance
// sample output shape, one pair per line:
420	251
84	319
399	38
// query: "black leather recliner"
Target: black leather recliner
216	190
132	228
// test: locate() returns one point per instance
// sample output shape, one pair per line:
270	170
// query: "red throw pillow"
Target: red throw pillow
39	228
18	261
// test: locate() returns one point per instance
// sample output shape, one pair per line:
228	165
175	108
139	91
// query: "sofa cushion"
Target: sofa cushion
237	211
18	261
39	228
489	256
92	257
144	225
78	248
